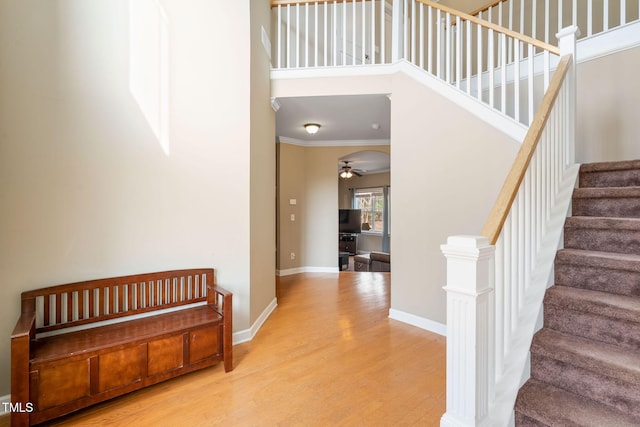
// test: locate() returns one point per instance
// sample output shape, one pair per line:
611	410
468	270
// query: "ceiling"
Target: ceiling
352	120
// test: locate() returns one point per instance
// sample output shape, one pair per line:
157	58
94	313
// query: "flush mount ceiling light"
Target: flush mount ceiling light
312	128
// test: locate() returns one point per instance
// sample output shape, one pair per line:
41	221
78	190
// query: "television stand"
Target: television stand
348	242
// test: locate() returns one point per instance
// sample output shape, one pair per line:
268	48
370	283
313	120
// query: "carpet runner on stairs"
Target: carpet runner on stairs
585	361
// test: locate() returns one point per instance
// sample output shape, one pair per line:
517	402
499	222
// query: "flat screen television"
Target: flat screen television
349	220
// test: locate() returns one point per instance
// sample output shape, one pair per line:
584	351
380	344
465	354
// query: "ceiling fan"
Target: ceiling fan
347	171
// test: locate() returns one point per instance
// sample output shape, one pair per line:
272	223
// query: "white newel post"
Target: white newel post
567	44
470	261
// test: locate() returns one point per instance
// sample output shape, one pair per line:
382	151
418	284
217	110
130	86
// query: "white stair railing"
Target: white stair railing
329	33
541	19
506	70
496	281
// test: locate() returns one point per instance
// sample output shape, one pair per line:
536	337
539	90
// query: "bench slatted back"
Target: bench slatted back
80	303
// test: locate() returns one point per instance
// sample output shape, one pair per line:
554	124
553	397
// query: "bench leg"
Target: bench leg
20	381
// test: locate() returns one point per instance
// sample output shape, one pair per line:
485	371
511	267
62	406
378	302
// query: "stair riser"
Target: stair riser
622	333
598	279
614	207
613	392
524	421
618	241
624	178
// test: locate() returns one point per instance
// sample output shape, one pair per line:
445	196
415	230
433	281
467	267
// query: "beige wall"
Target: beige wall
87	188
263	168
609	108
291	185
447	167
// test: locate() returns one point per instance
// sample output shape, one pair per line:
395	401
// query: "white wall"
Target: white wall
87	189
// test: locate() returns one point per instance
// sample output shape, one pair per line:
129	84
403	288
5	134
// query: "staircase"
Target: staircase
585	361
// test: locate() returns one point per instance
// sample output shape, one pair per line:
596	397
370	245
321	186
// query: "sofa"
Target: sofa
373	261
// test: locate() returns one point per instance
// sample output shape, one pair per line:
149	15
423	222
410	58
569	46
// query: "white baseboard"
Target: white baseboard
248	334
420	322
299	270
3	399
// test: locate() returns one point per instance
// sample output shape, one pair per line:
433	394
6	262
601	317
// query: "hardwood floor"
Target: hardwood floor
328	355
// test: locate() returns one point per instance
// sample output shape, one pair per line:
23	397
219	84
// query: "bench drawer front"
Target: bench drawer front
204	343
120	368
58	384
165	354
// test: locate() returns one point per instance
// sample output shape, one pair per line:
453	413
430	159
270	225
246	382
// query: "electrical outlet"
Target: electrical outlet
293	255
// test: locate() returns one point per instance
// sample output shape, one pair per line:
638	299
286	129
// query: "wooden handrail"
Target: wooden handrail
486	7
490	25
498	215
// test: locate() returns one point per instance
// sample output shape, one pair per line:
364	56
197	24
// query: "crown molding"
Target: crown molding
333	143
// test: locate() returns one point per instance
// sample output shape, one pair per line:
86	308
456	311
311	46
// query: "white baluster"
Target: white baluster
279	36
605	16
503	80
491	67
516	80
623	12
335	33
413	32
344	32
397	31
574	13
383	40
373	32
547	68
479	62
589	17
430	40
447	29
288	46
353	34
560	10
421	35
326	46
438	44
546	21
468	31
317	41
458	55
530	77
534	20
297	36
306	35
405	40
363	6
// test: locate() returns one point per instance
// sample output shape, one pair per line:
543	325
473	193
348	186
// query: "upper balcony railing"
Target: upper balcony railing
541	19
499	67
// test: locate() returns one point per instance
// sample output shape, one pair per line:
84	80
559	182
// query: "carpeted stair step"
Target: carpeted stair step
616	202
540	404
601	372
598	271
610	174
600	316
621	235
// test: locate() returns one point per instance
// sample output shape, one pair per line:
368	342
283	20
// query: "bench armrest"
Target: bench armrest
20	355
26	325
220	299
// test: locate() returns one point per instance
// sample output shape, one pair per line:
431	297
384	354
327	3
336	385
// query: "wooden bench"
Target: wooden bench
82	343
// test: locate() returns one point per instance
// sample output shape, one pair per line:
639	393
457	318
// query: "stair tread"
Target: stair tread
628	262
554	406
604	223
616	306
610	166
596	356
606	192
